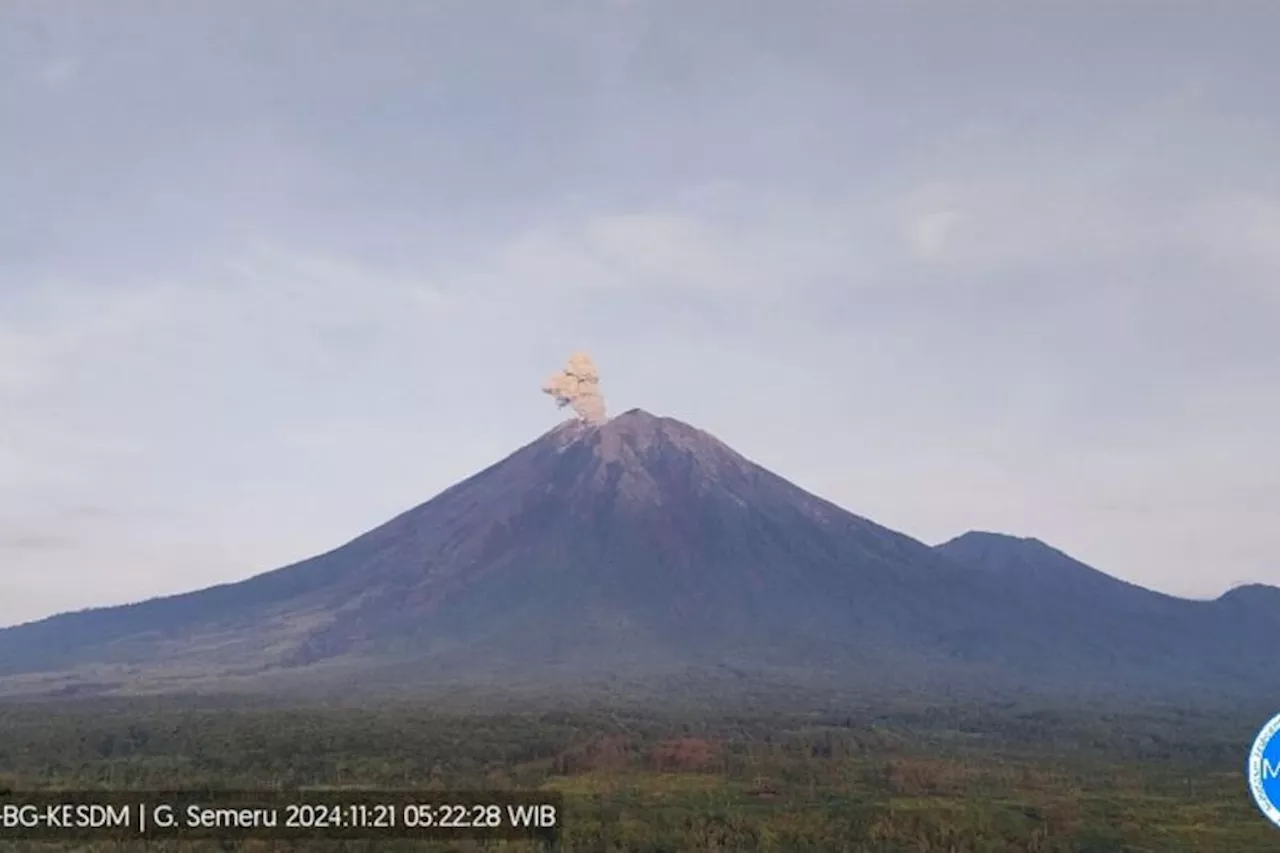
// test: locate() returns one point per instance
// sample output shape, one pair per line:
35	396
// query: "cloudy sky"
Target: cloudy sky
272	272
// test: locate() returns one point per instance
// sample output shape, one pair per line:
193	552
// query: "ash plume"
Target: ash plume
578	385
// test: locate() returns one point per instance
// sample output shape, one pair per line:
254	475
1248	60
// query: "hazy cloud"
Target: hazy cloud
929	232
60	72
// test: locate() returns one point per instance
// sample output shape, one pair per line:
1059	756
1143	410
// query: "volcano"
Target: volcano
644	546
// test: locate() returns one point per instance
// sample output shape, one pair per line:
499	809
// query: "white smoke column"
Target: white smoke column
578	385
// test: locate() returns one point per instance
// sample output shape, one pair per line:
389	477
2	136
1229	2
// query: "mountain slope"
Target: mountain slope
645	545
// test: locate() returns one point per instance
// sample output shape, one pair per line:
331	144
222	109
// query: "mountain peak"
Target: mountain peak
1001	552
1026	563
631	422
974	538
1024	559
640	422
1252	592
1252	602
637	437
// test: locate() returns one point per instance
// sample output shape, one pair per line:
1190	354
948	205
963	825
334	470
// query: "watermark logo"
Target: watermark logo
1264	770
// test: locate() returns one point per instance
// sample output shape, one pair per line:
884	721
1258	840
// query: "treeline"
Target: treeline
960	779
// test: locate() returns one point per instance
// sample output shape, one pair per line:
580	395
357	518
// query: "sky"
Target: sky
273	272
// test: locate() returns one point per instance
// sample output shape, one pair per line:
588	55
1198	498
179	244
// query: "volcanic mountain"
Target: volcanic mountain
645	546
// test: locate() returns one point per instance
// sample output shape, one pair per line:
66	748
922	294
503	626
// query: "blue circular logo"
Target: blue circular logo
1264	770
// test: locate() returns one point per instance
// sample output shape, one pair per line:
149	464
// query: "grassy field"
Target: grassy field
942	780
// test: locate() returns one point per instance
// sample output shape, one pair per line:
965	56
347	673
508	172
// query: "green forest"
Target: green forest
1011	778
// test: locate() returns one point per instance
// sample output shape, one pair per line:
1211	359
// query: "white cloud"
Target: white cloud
650	250
1022	228
930	234
751	253
675	248
47	327
1242	233
60	72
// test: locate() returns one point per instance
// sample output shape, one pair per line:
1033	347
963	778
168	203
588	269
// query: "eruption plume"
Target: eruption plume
578	385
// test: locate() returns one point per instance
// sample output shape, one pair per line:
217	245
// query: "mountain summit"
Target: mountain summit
641	545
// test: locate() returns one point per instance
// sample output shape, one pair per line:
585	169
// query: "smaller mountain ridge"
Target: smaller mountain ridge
1259	593
1029	562
1119	625
1253	602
